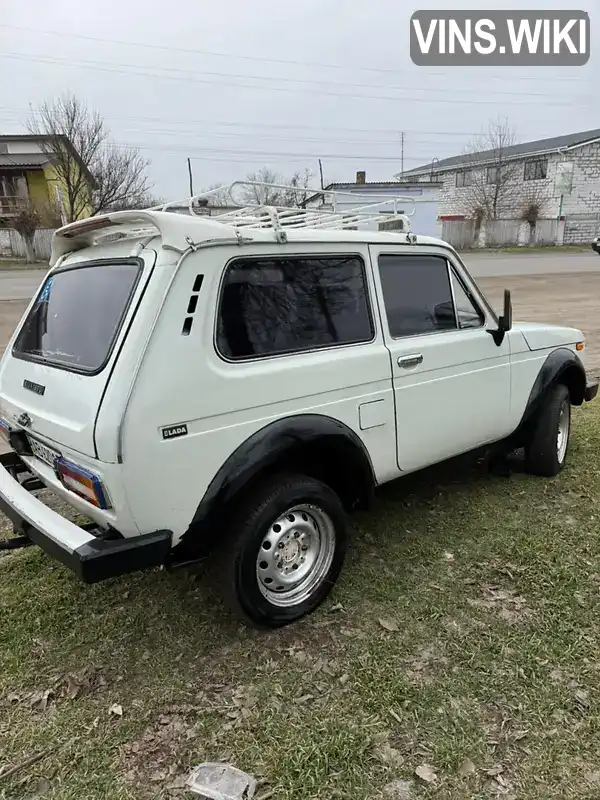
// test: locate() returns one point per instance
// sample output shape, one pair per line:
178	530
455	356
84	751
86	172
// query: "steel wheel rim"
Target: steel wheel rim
562	437
295	555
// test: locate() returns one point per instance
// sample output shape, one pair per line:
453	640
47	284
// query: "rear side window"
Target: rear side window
271	306
417	294
78	314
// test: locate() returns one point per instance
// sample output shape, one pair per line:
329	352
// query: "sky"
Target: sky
243	84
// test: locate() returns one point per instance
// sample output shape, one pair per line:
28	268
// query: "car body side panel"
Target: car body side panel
184	383
269	447
530	368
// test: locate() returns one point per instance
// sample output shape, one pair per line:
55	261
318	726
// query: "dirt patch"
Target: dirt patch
566	299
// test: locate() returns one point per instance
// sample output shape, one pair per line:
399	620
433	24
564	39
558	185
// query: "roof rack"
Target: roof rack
175	232
328	216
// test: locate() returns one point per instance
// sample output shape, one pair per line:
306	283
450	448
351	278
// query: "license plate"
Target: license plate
44	453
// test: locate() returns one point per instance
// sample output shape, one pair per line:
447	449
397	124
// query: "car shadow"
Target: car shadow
457	474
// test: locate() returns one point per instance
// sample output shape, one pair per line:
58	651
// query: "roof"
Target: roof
184	207
30	137
539	146
23	159
176	231
369	185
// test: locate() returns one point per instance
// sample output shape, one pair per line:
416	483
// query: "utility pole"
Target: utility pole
189	163
402	156
321	171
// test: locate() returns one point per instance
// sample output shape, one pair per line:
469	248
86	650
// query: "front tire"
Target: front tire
546	453
287	550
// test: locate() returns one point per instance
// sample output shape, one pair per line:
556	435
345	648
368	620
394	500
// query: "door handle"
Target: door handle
410	361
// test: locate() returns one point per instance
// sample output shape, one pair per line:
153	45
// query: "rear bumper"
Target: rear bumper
591	390
91	558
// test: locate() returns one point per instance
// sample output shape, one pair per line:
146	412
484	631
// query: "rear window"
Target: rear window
77	315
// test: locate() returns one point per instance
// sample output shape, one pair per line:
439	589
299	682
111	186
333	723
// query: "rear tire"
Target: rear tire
546	453
286	550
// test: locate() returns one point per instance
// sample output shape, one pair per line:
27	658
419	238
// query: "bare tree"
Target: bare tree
29	218
490	177
92	173
535	203
120	177
26	223
298	191
295	191
146	200
220	195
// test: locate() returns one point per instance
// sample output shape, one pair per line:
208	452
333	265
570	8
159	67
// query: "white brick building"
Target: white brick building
562	172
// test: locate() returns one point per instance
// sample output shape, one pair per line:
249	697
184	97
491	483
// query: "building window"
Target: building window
464	178
271	306
492	174
536	170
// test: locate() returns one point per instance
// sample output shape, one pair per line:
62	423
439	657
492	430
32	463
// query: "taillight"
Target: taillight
83	482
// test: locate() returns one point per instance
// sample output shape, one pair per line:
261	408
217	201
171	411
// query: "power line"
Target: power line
236	124
261	59
282	157
84	64
262	153
278	79
360	156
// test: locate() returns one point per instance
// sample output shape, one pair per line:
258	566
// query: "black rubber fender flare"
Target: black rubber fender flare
561	364
264	449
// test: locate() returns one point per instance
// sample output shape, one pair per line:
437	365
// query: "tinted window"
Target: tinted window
279	305
416	293
77	315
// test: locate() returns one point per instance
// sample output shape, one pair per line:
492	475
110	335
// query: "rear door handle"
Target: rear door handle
410	361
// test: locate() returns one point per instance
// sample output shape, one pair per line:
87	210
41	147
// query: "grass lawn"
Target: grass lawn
462	644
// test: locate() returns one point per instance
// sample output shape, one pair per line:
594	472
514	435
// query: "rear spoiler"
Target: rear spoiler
174	230
88	232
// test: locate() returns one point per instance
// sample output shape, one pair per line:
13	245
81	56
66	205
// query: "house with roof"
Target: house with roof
28	174
421	201
559	175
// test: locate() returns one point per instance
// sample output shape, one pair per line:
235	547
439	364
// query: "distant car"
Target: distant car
596	245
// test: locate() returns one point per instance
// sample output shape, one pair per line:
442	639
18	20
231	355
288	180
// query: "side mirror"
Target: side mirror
444	315
505	321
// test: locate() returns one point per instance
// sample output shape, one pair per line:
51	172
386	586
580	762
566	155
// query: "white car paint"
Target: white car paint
542	337
466	391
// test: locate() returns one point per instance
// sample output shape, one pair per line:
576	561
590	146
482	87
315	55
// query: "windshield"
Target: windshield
78	314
